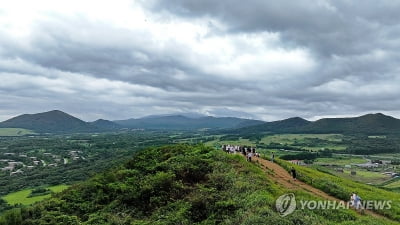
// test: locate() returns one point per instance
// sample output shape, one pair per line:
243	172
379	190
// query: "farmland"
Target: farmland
22	197
13	132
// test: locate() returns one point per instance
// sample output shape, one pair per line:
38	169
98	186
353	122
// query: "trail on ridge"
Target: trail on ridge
283	178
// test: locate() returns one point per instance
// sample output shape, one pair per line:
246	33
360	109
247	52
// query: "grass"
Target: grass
393	185
10	132
342	188
364	176
341	161
21	197
291	138
216	142
305	141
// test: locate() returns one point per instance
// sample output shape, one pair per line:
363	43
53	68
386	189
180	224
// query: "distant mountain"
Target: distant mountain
179	122
371	124
49	122
105	124
188	115
367	124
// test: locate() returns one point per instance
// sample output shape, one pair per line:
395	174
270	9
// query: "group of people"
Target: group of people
248	151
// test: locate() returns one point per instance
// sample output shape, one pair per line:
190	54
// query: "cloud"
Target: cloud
261	59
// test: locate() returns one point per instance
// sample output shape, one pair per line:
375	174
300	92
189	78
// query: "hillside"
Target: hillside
105	125
367	124
179	122
49	122
179	184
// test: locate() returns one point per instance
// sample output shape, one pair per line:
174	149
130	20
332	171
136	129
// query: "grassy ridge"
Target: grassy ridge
342	188
178	184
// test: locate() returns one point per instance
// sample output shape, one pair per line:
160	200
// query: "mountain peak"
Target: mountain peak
54	121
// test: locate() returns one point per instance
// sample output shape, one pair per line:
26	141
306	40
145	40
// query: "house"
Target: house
16	172
8	168
9	153
298	162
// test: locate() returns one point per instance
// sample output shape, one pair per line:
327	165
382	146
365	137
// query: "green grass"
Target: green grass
21	197
241	141
393	185
342	188
290	138
364	176
9	132
327	141
341	161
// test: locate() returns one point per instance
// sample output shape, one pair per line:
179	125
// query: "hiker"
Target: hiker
352	196
357	201
293	173
272	157
249	156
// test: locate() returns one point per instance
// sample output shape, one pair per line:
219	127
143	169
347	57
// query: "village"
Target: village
18	163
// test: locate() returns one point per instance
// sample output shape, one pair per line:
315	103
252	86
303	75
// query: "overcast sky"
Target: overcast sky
256	58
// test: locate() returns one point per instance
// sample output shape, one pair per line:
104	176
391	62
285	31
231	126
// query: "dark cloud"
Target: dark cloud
261	59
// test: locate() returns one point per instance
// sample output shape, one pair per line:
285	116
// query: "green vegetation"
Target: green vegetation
340	160
393	185
23	197
13	132
371	124
85	156
342	188
178	184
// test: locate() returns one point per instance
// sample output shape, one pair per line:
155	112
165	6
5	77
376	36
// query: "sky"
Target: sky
256	59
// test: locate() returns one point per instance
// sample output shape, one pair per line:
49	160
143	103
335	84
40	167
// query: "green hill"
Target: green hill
105	125
49	122
367	124
178	184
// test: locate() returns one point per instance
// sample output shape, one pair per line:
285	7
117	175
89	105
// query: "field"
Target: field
21	197
10	132
363	176
218	143
313	142
340	160
394	185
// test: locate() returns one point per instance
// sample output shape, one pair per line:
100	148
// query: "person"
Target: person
272	157
293	173
352	199
357	201
249	155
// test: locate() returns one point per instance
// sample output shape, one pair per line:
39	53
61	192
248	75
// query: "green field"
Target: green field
240	141
340	161
21	197
393	185
364	176
314	142
9	132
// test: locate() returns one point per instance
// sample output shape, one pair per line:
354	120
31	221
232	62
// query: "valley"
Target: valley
38	169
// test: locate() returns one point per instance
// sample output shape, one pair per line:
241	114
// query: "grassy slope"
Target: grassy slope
179	185
21	197
342	188
14	132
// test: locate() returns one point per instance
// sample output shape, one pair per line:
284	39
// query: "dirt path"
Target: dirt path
283	178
